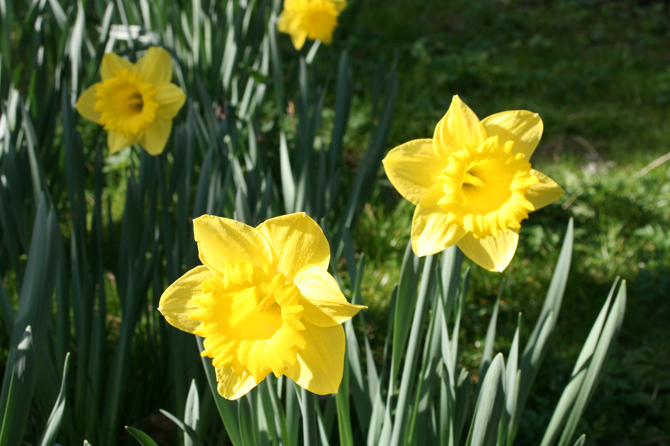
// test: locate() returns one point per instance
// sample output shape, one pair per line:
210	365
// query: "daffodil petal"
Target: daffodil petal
320	364
155	65
544	192
521	126
324	304
413	168
431	231
118	141
339	5
491	253
177	304
230	386
298	39
111	63
296	241
170	99
220	239
458	127
86	102
156	135
289	23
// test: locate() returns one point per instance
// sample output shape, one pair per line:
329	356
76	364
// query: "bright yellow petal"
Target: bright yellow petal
521	126
288	21
320	364
111	63
544	192
156	135
298	39
491	253
458	127
323	303
170	99
339	5
297	241
431	232
220	239
118	141
177	301
230	386
156	66
86	102
413	168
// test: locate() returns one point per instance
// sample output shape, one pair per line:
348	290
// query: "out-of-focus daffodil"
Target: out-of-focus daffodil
264	302
310	19
472	183
135	102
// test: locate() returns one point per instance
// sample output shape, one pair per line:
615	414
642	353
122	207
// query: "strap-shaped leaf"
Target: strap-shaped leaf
144	439
54	421
490	405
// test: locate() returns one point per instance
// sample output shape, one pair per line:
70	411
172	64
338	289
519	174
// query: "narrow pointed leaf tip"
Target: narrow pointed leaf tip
472	183
136	103
264	303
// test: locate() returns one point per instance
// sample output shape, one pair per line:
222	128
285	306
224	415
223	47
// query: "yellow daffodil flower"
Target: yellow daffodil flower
264	302
135	102
310	19
472	183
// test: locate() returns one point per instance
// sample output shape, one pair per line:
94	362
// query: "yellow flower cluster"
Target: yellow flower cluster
263	299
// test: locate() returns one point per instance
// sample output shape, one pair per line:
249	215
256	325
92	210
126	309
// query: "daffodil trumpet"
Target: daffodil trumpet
472	183
264	303
135	102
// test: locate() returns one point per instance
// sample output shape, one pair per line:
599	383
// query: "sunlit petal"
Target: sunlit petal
177	304
230	386
413	168
112	63
458	127
323	303
545	192
491	253
319	366
155	65
296	241
221	239
522	127
156	135
170	99
86	103
117	141
432	230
